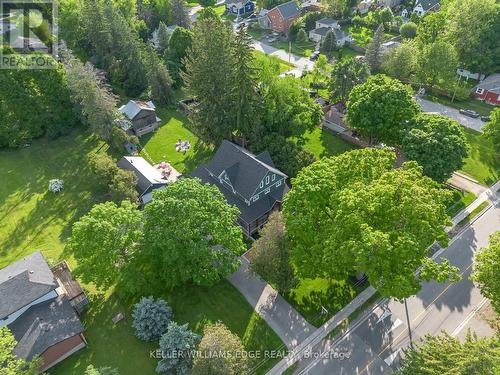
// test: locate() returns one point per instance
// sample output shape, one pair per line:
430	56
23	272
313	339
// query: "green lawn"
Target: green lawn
220	9
160	145
363	35
461	199
483	162
32	217
299	49
323	143
262	59
311	295
116	345
345	52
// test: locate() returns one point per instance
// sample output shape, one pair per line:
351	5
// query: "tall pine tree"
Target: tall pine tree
373	50
180	14
159	80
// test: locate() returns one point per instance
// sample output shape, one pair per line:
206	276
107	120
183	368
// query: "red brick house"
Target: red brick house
281	16
489	89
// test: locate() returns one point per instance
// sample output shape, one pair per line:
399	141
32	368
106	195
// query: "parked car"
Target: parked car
314	56
469	112
485	118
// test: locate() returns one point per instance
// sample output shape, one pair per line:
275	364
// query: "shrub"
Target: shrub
180	340
151	318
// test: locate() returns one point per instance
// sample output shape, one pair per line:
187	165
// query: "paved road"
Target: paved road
469	122
374	346
288	324
302	63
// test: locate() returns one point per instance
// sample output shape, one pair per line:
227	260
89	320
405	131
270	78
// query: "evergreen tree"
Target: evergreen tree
373	50
180	15
151	318
244	85
162	36
329	44
159	80
178	45
301	36
208	78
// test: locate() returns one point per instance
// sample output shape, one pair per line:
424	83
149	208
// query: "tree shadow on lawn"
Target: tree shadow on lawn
311	295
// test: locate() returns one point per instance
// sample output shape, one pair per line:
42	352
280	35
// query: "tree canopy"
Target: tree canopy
486	266
444	354
381	108
438	144
104	242
408	30
492	128
151	318
373	50
346	74
190	235
355	213
401	62
10	364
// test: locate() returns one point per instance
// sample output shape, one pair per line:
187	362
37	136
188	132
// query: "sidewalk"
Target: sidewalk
488	195
288	324
466	183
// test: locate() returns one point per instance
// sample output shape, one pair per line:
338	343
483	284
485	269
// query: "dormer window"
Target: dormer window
274	177
267	180
262	184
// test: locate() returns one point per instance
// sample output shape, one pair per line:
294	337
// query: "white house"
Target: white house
422	7
325	25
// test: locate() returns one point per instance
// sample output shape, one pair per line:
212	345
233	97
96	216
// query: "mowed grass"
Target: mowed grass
116	345
277	65
32	217
323	143
460	200
160	145
483	162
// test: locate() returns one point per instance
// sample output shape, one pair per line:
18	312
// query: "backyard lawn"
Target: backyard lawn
262	59
116	345
363	35
461	199
160	145
483	162
323	143
299	49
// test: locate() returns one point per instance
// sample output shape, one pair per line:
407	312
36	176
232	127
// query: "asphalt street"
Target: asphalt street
374	345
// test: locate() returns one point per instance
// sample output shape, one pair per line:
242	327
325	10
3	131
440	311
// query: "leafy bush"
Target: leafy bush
175	345
151	318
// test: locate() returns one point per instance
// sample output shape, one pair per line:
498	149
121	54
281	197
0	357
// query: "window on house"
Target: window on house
267	180
479	91
274	177
255	198
262	184
278	183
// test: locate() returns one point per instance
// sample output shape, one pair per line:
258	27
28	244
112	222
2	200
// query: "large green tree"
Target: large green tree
381	108
373	52
438	144
401	62
492	128
190	235
104	242
208	76
10	364
270	255
180	14
473	27
486	275
329	44
346	74
437	64
217	338
178	46
159	80
354	213
444	354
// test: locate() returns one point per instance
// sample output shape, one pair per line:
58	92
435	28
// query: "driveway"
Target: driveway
302	63
469	122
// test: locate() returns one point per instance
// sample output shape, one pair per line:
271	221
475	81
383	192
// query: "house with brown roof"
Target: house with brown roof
36	309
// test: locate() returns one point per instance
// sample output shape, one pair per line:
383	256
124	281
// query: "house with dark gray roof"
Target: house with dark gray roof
250	182
324	26
38	313
422	7
281	16
142	116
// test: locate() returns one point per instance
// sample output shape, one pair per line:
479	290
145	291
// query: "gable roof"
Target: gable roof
288	10
427	4
134	107
147	175
328	21
490	83
43	325
244	169
23	282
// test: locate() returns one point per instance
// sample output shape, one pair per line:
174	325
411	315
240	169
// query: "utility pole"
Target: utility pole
408	323
289	50
456	87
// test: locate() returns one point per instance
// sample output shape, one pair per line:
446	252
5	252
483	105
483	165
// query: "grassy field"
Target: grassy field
299	49
363	35
160	145
116	345
483	162
322	143
281	66
34	219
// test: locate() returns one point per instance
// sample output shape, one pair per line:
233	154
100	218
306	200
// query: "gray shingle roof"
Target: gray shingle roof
43	325
23	282
490	83
246	171
328	21
289	9
427	4
133	108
